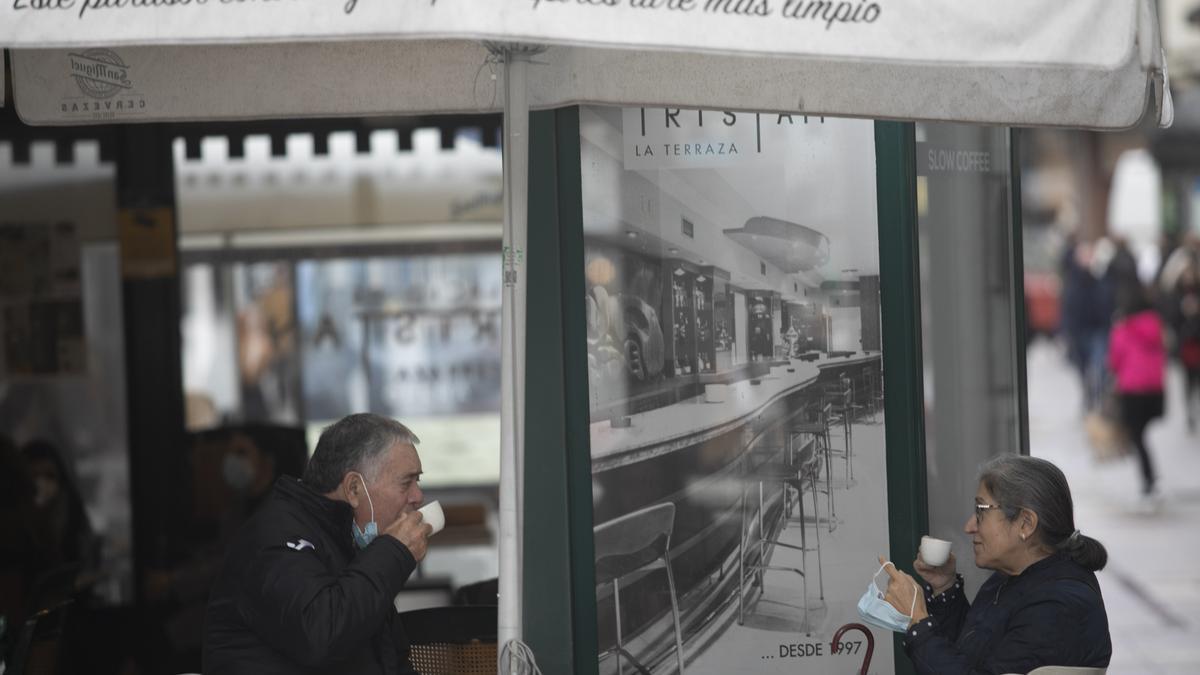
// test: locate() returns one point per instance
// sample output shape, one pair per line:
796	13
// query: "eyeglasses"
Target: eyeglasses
981	509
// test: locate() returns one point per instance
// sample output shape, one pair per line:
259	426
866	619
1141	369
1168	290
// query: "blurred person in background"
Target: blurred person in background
71	538
1121	271
1087	307
1183	314
72	549
1137	357
248	470
232	470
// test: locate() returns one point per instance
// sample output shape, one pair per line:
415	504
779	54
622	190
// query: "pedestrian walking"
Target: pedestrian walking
1137	357
1087	308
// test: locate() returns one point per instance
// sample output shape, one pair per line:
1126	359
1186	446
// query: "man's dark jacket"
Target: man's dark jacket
294	596
1050	614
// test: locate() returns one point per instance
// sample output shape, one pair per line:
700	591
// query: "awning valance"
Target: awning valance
1087	63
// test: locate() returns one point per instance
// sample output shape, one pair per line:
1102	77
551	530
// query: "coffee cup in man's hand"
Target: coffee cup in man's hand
934	552
434	516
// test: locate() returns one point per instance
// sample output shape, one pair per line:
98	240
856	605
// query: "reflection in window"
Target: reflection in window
414	337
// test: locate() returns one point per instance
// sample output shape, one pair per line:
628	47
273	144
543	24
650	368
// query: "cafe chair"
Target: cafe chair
452	640
486	592
637	542
39	647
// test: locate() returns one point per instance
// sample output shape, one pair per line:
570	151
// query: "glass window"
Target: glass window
415	337
323	283
62	359
969	345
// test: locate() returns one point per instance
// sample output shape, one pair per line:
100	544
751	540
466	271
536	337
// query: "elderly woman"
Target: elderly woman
1042	606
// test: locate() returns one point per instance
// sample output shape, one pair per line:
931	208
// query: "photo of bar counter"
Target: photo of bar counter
736	389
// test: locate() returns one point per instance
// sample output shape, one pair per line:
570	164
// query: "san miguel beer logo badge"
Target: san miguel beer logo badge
100	73
108	91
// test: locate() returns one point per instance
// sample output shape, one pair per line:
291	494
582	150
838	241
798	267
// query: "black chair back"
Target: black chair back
452	640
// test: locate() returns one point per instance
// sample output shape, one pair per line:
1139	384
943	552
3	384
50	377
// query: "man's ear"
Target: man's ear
351	488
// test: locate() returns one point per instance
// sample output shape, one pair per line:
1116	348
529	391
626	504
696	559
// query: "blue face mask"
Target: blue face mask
879	612
364	536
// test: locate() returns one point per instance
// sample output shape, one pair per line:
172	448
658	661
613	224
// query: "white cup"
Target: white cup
934	551
432	513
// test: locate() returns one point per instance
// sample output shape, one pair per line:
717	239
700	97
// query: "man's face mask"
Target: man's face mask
879	612
364	536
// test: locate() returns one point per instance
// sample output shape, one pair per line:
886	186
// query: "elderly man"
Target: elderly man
309	580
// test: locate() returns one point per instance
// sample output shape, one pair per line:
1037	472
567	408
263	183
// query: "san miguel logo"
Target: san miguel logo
100	73
103	78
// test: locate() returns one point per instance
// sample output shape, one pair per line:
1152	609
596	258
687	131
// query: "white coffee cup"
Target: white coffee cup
432	513
934	551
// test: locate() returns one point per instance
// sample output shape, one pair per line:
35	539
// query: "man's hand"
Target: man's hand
411	530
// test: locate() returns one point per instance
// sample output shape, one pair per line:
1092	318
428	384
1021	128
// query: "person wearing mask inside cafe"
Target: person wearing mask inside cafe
309	581
1041	606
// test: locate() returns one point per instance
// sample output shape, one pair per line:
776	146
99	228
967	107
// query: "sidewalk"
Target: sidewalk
1152	582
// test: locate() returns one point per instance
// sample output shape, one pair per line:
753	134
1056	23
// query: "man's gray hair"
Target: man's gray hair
353	443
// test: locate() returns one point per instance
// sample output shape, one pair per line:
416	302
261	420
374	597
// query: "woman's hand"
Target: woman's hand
941	577
904	593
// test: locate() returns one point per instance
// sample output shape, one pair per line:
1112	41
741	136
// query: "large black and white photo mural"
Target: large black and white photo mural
736	397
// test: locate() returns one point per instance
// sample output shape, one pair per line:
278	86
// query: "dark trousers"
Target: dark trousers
1088	351
1137	411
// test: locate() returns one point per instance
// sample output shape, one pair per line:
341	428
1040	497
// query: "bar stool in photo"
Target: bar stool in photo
759	533
860	399
840	398
813	422
874	393
809	455
635	542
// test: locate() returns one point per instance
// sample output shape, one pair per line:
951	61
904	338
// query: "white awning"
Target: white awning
1086	63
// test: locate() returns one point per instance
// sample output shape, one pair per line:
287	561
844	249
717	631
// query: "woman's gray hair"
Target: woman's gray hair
353	443
1017	482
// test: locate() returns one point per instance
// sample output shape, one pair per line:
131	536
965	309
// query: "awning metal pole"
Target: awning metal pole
512	344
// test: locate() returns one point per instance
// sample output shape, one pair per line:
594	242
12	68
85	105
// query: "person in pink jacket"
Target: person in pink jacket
1137	357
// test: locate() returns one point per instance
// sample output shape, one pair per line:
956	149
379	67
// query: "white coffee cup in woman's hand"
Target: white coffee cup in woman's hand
934	551
940	577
